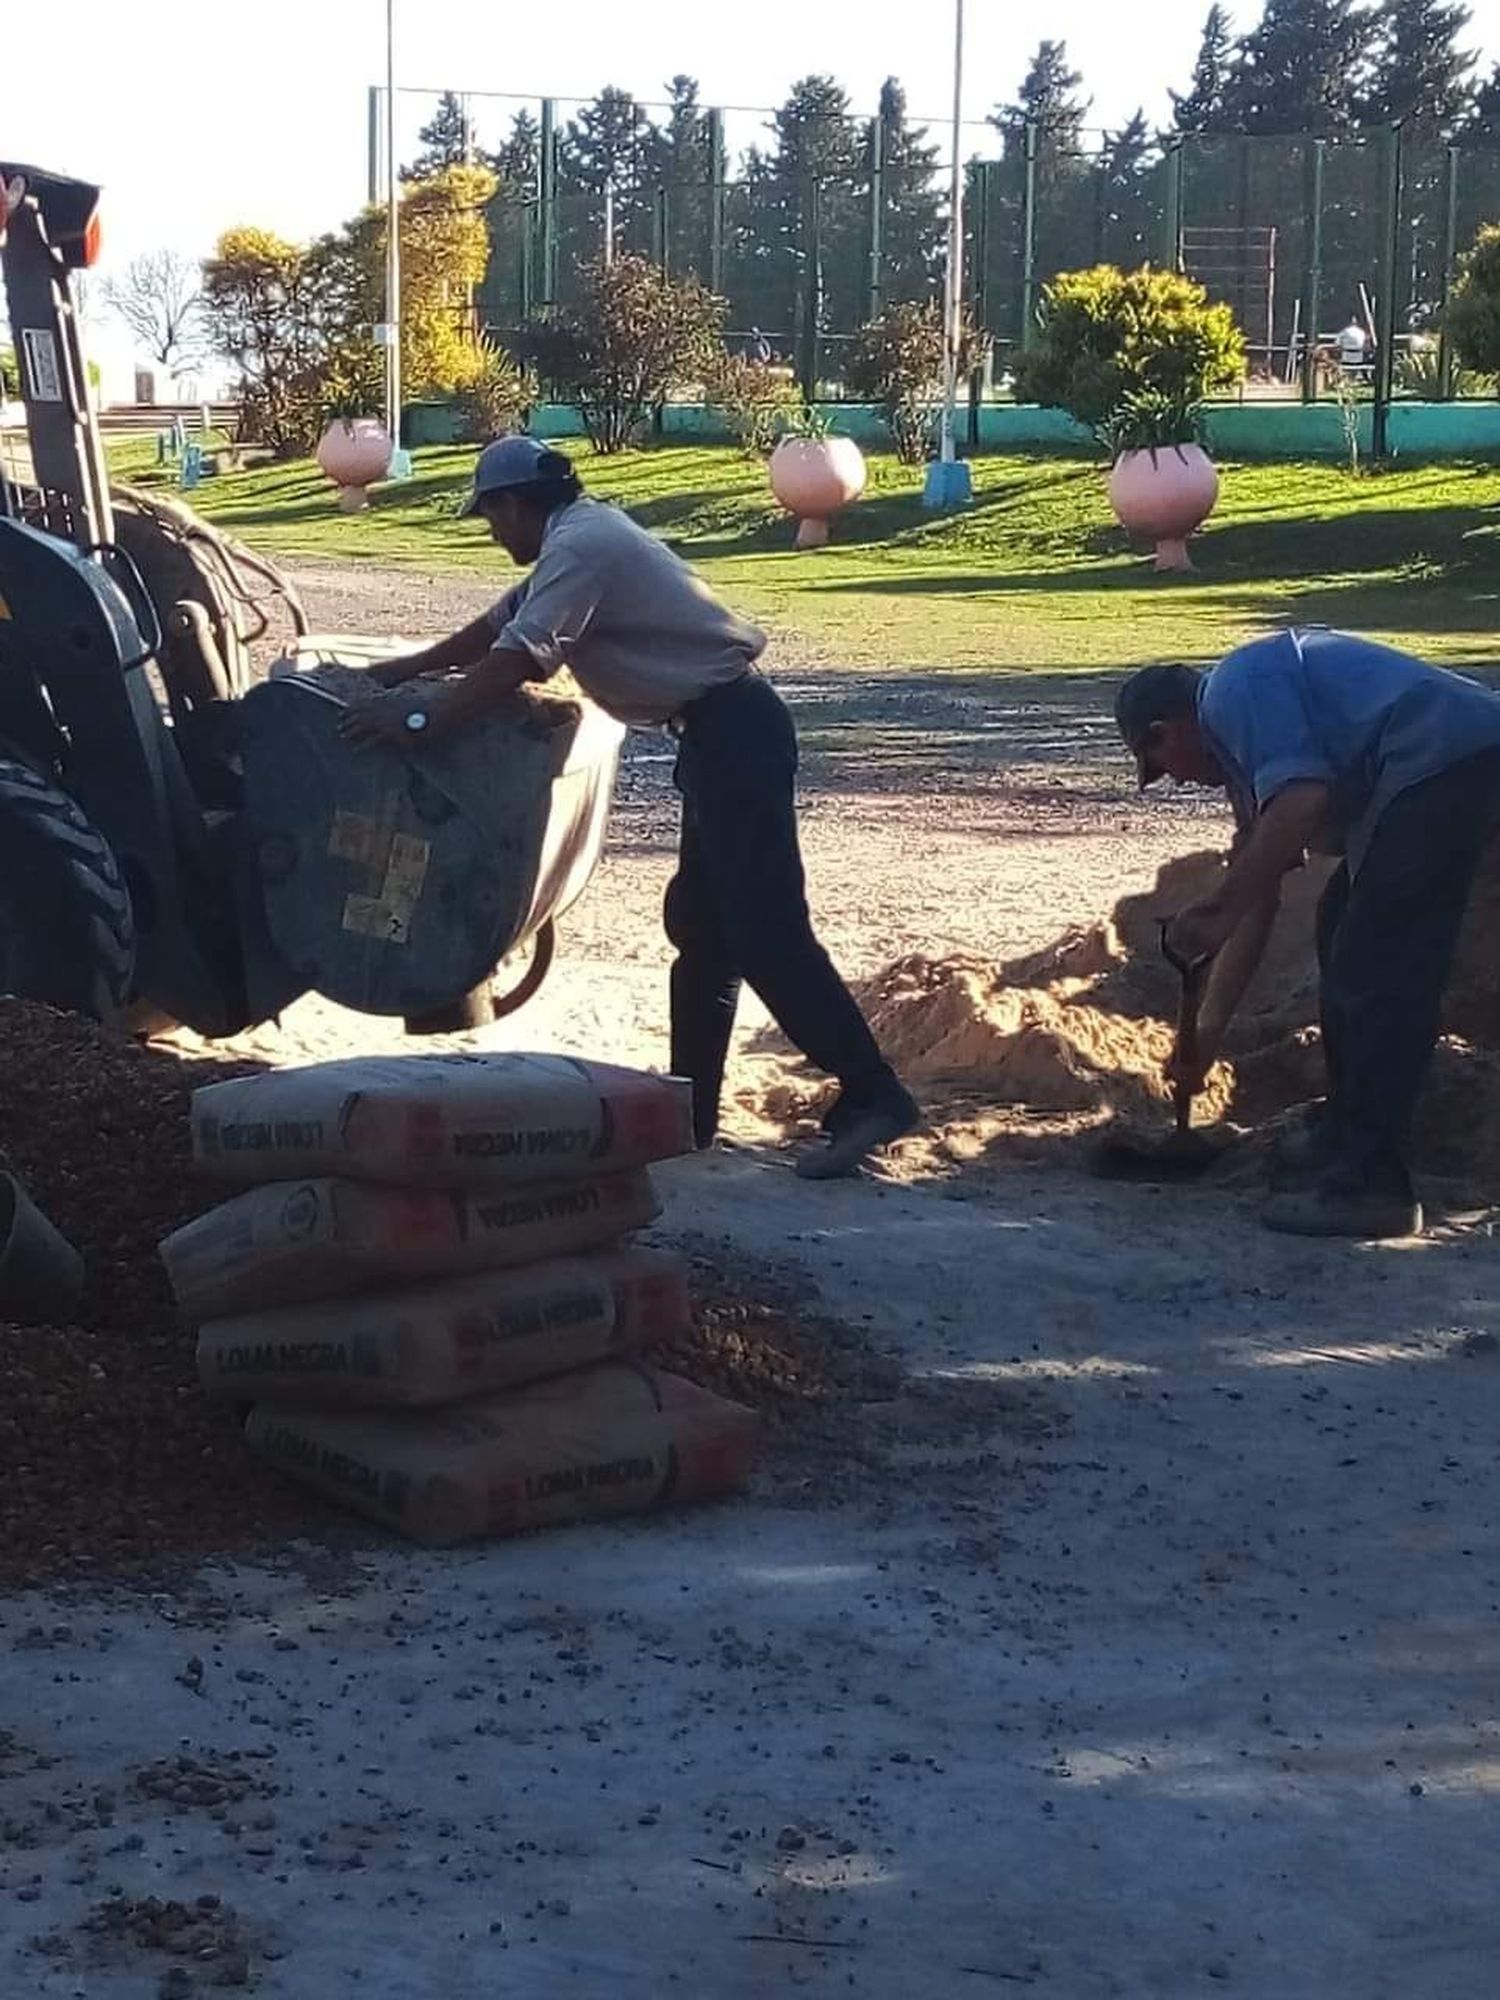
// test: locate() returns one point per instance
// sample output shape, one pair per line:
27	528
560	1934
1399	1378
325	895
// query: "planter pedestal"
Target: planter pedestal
1162	495
813	478
354	451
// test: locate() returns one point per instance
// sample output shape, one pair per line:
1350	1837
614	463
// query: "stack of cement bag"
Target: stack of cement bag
427	1297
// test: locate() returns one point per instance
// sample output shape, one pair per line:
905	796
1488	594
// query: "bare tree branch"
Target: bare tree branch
159	297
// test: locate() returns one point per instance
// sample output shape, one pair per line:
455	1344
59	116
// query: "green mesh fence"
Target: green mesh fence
1300	237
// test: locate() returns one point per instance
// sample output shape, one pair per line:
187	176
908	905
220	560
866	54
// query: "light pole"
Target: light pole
392	245
948	482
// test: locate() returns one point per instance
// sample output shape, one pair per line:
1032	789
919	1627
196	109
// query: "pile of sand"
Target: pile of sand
1040	1054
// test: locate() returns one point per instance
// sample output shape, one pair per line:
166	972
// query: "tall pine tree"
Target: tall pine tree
682	143
1301	69
683	167
606	161
1048	98
446	140
1482	126
517	158
912	221
516	164
1066	215
805	228
1418	71
1123	196
1202	107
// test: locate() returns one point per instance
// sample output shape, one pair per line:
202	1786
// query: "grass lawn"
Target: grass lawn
1035	575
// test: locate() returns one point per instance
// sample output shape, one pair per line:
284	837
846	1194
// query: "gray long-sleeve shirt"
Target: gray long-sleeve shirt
642	634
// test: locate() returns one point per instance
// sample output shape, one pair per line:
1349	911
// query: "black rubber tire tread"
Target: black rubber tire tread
81	952
543	951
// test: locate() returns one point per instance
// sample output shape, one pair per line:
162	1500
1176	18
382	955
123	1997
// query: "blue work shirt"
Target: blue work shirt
1363	719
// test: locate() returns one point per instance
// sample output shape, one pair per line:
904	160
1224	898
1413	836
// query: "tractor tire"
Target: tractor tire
67	936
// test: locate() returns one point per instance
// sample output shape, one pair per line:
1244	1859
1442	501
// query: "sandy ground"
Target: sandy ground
1152	1654
946	813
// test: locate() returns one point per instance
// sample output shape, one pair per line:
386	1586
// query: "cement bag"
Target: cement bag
301	1240
468	1337
440	1121
613	1440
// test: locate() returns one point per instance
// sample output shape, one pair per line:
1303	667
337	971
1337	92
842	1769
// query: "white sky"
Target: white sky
197	114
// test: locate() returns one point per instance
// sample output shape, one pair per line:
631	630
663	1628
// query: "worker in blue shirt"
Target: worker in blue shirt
1330	743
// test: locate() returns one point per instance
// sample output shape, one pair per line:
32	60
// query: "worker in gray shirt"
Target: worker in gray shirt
654	647
1333	744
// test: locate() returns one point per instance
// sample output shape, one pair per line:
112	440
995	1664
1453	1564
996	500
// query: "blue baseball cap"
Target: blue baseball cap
512	461
1153	695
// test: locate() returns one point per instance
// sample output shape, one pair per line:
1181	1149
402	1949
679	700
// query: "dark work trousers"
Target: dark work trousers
737	907
1386	941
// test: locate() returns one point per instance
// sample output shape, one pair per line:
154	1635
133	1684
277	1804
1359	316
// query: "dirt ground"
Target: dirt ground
1145	1644
949	813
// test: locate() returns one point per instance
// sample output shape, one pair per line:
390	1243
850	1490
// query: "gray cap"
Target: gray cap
1155	694
513	461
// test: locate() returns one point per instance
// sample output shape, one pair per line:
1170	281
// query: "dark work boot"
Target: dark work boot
855	1131
1375	1207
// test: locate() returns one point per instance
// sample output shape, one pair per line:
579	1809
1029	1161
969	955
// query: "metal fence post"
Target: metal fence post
1385	304
977	209
812	290
877	216
1242	275
527	259
1446	370
1312	273
1171	210
716	201
1028	236
372	144
661	228
980	210
547	202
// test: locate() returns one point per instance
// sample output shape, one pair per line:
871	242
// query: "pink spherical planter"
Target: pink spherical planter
353	451
813	478
1163	495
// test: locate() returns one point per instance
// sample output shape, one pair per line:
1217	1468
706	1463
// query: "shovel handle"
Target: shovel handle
1189	994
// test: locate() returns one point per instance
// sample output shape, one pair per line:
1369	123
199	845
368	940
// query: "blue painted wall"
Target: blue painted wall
1234	430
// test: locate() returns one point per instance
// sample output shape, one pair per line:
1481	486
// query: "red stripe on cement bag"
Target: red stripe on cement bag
301	1240
440	1121
613	1440
438	1342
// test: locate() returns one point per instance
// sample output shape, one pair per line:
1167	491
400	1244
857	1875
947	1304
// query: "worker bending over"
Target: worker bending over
1331	743
653	646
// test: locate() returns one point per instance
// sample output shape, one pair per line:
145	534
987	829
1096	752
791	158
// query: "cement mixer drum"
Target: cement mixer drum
395	882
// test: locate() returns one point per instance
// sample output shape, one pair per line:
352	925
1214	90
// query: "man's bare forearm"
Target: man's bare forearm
1233	970
1275	844
465	648
485	685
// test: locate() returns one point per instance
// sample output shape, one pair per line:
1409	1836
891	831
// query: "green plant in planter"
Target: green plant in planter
1106	334
1150	420
807	423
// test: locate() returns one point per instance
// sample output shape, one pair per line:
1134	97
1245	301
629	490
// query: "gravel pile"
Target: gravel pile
116	1465
114	1461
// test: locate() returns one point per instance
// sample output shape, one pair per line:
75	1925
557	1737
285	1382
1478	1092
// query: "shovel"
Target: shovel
1181	1154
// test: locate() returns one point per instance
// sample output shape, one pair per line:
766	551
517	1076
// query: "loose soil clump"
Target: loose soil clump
1032	1059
